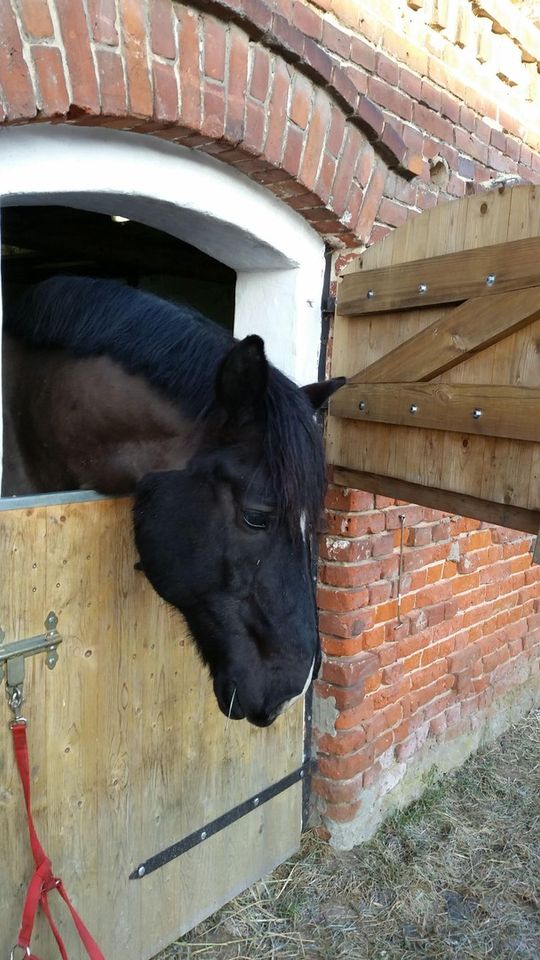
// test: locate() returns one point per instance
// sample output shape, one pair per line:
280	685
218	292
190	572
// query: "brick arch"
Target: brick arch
240	84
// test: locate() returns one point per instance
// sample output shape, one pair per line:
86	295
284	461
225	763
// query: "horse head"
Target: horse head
223	543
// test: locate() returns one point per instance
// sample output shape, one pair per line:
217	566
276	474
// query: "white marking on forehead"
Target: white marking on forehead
289	703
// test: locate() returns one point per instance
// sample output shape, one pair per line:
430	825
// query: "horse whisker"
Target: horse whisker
230	710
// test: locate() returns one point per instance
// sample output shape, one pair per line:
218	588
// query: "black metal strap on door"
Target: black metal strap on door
204	833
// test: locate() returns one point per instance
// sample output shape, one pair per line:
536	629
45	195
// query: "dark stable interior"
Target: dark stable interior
38	242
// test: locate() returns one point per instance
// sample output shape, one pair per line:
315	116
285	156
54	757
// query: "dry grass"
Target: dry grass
456	875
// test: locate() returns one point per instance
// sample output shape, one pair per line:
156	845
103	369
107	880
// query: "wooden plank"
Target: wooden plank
494	468
445	279
485	410
454	337
447	501
129	751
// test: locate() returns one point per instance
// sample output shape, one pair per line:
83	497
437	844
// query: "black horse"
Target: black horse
116	390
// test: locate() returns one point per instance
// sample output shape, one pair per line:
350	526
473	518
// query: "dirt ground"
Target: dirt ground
454	877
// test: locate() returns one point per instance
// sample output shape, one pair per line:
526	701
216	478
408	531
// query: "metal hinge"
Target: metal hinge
13	655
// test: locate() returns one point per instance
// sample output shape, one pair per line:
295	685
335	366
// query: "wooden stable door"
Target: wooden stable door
129	752
438	329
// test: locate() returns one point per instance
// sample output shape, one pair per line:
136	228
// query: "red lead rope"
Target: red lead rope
42	881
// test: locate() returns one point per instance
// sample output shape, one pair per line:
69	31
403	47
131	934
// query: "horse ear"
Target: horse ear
242	379
319	393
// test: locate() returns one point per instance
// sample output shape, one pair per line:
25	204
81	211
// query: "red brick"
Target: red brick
17	86
356	524
345	741
363	54
380	593
433	123
140	98
214	49
410	83
336	40
238	67
370	117
301	101
80	64
190	78
342	646
345	171
111	83
390	693
320	120
341	599
345	625
290	39
260	74
391	98
387	69
494	659
161	29
354	715
382	744
392	213
450	107
374	637
102	16
336	791
336	133
308	22
383	545
349	550
426	694
344	498
437	651
254	132
346	767
426	675
213	124
294	143
411	513
277	113
54	97
353	575
36	19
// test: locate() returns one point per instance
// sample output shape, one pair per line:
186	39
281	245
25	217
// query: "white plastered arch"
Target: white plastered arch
278	258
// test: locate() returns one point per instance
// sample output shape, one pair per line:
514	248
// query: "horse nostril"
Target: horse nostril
262	719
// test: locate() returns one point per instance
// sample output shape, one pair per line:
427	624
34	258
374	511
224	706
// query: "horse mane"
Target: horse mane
177	350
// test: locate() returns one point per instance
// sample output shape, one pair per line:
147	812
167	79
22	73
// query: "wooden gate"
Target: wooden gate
129	752
438	329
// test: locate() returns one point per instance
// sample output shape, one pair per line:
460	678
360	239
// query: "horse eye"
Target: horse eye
256	519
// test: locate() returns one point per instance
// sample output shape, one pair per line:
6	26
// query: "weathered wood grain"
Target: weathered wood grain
129	751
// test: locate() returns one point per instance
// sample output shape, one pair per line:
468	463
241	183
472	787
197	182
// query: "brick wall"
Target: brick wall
467	639
358	115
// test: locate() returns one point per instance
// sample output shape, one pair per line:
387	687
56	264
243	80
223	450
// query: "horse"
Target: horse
113	389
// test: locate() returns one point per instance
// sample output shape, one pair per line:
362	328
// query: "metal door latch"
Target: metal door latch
13	655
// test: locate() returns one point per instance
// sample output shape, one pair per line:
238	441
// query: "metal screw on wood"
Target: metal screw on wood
490	279
413	408
362	406
477	413
370	294
422	288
